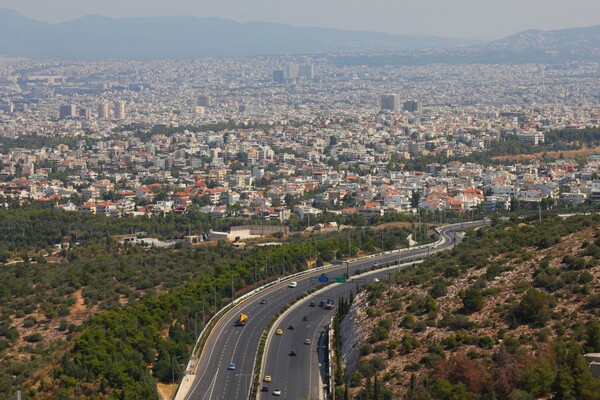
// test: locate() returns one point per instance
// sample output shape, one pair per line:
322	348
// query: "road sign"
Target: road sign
323	278
340	279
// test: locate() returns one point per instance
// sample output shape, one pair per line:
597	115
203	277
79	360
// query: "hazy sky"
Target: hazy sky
479	19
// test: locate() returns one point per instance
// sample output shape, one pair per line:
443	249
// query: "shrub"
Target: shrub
472	300
512	345
438	289
413	367
366	349
409	343
574	262
533	308
485	342
394	305
456	322
34	338
379	333
408	321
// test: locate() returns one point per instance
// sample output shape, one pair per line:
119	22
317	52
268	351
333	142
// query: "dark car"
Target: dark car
264	389
263	301
312	304
291	327
293	353
305	318
321	303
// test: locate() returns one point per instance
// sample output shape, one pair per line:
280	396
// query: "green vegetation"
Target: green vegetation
167	293
498	337
557	140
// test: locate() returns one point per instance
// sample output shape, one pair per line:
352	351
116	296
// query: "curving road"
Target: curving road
300	376
230	344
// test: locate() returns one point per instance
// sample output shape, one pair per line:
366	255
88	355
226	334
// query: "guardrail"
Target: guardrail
207	329
330	388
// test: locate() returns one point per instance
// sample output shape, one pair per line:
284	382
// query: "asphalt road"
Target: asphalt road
230	344
300	376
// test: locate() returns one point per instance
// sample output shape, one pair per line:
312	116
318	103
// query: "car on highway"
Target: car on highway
306	341
291	327
279	332
231	367
293	284
305	318
267	378
276	392
293	353
375	279
321	303
263	301
312	304
265	388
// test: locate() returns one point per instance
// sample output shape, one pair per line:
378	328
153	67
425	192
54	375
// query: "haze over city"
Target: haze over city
470	19
308	200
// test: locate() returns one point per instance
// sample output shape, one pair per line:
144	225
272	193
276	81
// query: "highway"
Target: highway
231	344
300	376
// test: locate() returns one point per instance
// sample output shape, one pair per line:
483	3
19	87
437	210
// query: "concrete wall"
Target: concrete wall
262	230
593	360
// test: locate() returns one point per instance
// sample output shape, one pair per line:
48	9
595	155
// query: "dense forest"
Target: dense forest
507	314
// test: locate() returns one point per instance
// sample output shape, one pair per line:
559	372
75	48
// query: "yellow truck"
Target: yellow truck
242	319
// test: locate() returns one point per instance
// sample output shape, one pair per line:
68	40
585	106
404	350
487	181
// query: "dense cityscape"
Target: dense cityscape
201	208
241	138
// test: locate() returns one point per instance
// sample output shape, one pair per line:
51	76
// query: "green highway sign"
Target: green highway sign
340	279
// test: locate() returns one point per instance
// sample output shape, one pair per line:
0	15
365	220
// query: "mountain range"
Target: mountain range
95	37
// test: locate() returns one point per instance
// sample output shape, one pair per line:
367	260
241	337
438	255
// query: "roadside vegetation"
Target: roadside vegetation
103	319
507	314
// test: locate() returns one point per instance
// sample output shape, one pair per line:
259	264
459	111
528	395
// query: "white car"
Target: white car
306	341
376	280
293	284
276	392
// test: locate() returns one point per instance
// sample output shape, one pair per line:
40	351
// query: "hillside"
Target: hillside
508	314
100	318
559	42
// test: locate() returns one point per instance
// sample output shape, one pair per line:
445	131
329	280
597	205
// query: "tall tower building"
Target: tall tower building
279	76
85	113
67	111
103	110
204	101
390	102
292	71
8	107
119	109
413	106
307	71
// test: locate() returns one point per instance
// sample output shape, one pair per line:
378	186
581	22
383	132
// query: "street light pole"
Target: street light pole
232	290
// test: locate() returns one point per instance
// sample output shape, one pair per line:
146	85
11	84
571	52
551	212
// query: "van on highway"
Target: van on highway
293	284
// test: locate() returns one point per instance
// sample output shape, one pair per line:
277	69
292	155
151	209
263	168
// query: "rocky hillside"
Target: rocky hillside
508	314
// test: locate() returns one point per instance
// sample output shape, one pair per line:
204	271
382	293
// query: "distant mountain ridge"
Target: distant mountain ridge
567	44
557	40
96	37
532	46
